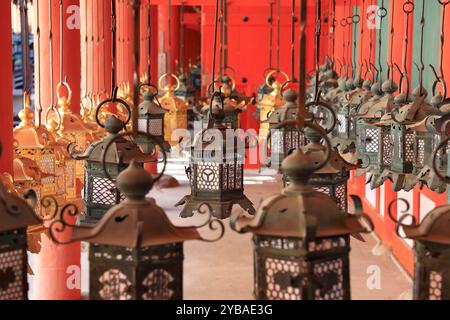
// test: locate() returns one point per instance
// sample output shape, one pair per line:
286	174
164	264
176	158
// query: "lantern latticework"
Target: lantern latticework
300	240
216	170
135	252
15	216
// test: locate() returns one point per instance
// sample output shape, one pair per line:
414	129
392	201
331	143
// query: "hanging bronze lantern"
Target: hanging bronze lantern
287	138
216	169
15	216
186	91
100	194
270	102
151	119
431	251
38	145
301	238
332	178
177	109
135	252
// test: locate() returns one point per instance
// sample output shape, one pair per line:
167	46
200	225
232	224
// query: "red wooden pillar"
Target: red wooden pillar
57	269
6	107
163	27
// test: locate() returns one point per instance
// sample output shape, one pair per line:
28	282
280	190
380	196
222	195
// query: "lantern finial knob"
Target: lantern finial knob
134	182
113	125
313	135
290	95
298	167
26	115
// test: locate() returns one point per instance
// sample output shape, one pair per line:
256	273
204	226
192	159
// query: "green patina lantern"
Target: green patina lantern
15	216
231	108
332	179
135	252
100	193
431	252
301	239
216	169
284	140
151	120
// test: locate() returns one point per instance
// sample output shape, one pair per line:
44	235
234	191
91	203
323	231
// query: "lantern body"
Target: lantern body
176	116
282	142
147	273
152	124
289	269
216	173
368	140
431	271
100	194
13	265
403	149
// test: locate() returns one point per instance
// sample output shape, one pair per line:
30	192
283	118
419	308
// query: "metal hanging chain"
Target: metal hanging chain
93	48
381	13
38	106
333	33
169	37
408	9
225	35
149	38
344	34
270	20
50	36
26	72
293	41
390	70
349	40
216	22
86	43
119	38
221	41
317	51
421	67
62	76
126	39
113	46
99	71
369	61
182	8
103	48
302	66
440	77
361	45
278	33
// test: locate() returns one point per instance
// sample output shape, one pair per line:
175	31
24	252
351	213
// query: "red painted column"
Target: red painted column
6	107
163	26
57	267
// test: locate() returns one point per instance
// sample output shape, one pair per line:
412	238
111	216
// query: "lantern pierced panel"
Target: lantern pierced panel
372	140
327	244
409	147
386	154
104	191
115	285
340	195
421	151
342	123
279	275
435	285
323	189
208	176
12	275
158	283
330	274
48	166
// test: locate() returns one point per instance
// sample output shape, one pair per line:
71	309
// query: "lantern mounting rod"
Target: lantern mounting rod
302	65
216	22
25	45
293	41
270	20
390	63
278	33
343	23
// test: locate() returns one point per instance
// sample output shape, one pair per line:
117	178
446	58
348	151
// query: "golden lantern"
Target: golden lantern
70	129
270	102
87	111
38	145
177	108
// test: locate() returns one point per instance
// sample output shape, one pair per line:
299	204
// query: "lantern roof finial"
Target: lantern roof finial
113	125
134	182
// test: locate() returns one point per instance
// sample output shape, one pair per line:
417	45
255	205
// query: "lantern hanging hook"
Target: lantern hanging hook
381	13
440	80
212	224
400	222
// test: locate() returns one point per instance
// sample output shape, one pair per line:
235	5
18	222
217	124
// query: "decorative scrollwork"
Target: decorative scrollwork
212	224
446	178
404	213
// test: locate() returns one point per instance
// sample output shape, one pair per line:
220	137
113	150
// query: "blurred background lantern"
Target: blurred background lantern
135	253
186	91
176	117
151	119
216	169
15	216
301	238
